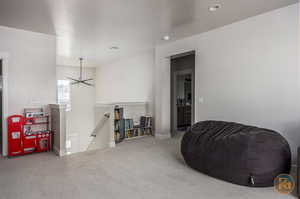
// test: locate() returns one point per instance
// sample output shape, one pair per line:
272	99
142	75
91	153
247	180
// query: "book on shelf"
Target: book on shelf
120	131
119	113
117	125
146	122
129	134
137	130
117	136
148	131
127	128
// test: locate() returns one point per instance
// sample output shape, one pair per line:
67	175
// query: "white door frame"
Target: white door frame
5	59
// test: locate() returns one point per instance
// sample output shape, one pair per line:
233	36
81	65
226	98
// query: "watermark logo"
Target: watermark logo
284	184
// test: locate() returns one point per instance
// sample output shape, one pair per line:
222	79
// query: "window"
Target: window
64	93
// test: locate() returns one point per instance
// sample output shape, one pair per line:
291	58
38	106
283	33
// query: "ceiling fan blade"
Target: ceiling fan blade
75	82
85	80
87	84
73	79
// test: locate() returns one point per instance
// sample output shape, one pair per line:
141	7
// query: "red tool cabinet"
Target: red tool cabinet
23	139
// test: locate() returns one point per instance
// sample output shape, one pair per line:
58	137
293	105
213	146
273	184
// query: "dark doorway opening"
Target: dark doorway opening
182	92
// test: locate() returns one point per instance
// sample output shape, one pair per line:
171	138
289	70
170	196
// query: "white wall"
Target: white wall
246	72
31	64
81	118
126	80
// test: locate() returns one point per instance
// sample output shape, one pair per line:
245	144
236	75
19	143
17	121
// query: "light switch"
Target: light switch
201	100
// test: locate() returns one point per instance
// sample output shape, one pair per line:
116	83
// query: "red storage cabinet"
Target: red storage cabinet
15	135
22	139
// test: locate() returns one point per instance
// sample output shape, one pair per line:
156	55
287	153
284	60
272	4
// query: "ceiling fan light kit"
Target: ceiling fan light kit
80	80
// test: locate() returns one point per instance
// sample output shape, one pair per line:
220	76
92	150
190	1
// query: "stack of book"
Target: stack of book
146	125
129	128
137	131
119	124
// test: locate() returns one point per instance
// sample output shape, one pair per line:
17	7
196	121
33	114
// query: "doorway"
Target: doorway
182	92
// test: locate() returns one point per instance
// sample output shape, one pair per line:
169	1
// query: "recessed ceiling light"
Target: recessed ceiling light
166	38
114	48
214	7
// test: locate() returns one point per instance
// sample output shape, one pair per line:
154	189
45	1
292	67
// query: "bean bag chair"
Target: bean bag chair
240	154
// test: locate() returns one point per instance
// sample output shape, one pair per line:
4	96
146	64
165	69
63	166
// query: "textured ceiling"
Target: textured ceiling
89	28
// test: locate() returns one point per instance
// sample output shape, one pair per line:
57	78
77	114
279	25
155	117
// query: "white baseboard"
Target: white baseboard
112	145
58	152
163	136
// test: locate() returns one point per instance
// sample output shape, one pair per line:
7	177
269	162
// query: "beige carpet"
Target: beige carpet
145	168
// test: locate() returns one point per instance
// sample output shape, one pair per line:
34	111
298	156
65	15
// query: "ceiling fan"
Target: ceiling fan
80	80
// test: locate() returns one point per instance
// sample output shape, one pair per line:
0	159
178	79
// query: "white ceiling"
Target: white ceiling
88	28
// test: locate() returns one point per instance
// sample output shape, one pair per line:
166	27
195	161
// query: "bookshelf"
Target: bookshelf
126	128
119	124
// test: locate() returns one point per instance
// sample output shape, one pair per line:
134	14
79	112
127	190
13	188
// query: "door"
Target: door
182	92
